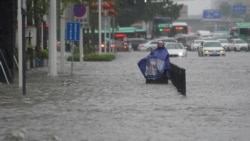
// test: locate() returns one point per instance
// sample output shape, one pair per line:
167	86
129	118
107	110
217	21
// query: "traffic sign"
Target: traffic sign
73	31
211	14
240	9
79	10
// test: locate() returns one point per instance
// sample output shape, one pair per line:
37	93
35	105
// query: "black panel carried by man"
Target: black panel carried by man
155	67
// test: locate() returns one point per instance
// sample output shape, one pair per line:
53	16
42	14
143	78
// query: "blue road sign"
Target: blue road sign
79	10
211	14
240	9
73	31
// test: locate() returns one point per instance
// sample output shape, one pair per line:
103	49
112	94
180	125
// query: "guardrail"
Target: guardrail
5	73
178	78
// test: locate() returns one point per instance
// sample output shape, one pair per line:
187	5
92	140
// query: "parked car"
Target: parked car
112	46
120	46
211	48
148	46
239	44
134	42
102	47
226	44
195	44
176	49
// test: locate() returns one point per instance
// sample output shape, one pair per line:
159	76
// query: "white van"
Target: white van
204	33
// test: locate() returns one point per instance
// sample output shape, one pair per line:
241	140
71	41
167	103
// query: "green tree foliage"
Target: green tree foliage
35	11
65	2
128	13
145	11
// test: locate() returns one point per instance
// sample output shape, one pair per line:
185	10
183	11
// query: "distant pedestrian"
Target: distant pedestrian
155	66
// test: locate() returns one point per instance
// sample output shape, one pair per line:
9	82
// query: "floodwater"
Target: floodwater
109	101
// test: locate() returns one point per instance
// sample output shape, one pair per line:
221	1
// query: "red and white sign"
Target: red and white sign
79	10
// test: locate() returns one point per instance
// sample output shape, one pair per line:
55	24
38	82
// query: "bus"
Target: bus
162	26
129	32
179	28
242	30
120	33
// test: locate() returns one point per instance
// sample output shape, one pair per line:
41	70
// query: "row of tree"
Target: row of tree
145	11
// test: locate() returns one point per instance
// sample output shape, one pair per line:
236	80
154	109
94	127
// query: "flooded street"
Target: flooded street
109	101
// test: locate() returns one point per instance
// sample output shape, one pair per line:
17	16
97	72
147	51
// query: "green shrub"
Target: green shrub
99	57
44	54
93	57
75	58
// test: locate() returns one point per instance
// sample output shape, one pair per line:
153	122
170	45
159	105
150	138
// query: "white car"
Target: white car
226	44
148	46
167	39
211	48
195	44
176	49
239	44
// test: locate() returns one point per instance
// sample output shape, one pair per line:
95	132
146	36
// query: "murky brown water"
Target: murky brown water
109	101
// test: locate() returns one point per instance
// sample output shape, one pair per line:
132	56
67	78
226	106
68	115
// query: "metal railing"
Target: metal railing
5	76
4	67
178	78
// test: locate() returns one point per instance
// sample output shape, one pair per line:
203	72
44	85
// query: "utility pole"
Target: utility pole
52	39
20	55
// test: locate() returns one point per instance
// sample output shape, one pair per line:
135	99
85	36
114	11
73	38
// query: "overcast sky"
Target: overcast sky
196	7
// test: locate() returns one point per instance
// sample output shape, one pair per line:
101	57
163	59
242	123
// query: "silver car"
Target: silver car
226	44
195	44
176	49
148	46
211	48
239	44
